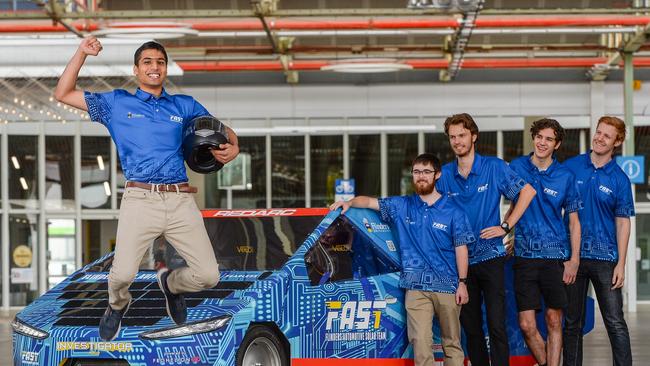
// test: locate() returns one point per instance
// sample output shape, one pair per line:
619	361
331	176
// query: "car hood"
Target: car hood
80	301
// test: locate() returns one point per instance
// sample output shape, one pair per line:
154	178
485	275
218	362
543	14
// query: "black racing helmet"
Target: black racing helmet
202	134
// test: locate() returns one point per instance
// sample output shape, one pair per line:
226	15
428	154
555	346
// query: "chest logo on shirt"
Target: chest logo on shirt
371	226
176	119
483	188
550	192
439	226
134	115
579	181
605	190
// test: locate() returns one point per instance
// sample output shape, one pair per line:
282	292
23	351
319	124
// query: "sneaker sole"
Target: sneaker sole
119	326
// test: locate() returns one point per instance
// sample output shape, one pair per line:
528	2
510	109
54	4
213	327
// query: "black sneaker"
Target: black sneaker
109	326
176	308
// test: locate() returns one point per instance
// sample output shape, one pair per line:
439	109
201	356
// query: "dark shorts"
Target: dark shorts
537	278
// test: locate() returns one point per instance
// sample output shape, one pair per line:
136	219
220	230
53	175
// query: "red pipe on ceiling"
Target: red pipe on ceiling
515	63
343	24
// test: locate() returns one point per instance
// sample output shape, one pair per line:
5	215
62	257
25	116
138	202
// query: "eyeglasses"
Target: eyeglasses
423	172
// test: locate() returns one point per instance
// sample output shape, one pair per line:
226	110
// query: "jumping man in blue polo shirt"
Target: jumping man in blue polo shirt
433	234
147	129
476	183
542	265
605	225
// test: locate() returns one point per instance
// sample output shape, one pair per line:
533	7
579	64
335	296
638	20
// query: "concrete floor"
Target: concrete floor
596	344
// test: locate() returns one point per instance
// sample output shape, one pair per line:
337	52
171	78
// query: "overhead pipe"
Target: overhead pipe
514	63
351	24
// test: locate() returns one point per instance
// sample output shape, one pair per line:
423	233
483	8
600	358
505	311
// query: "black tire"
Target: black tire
261	346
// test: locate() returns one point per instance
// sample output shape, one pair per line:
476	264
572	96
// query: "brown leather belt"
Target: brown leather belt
162	187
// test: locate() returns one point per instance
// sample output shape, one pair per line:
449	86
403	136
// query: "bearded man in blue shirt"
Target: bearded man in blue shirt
544	262
433	235
605	221
147	128
476	183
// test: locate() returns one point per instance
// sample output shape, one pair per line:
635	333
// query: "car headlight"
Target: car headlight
202	326
26	330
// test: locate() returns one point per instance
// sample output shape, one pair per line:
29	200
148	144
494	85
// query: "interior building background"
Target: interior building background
301	127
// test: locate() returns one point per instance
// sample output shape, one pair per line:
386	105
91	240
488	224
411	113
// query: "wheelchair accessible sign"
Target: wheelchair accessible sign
343	190
634	167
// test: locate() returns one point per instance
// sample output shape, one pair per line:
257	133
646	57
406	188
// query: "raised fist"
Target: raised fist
90	46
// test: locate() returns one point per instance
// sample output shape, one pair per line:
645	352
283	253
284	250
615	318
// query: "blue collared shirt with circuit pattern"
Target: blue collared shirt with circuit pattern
607	194
479	195
147	131
428	236
540	233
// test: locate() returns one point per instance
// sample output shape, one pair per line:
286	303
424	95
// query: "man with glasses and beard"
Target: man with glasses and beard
433	234
476	183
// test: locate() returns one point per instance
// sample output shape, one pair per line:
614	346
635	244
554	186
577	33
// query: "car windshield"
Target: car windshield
239	243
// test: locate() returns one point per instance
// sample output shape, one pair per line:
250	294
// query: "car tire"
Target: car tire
261	347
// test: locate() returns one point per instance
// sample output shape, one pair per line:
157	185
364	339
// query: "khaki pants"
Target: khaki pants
421	307
145	215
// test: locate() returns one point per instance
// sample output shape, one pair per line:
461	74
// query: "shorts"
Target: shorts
537	278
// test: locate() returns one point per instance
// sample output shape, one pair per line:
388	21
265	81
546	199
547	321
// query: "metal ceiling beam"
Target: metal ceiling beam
242	13
630	44
457	45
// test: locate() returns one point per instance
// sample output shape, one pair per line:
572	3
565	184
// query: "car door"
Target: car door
359	307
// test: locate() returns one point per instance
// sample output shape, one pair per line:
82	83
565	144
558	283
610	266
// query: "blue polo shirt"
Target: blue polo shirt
479	195
147	131
607	194
540	233
428	236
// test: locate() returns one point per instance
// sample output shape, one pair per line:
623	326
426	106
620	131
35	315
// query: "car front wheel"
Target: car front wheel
261	347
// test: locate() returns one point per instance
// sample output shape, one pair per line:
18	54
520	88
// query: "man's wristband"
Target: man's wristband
462	280
506	227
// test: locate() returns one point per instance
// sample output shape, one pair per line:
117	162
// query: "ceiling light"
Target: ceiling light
107	188
100	162
23	183
140	30
14	161
367	65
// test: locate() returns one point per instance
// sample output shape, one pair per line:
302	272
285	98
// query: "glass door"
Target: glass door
61	240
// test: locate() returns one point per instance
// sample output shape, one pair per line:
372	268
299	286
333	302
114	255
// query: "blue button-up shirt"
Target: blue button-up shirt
540	233
479	195
428	236
607	194
147	131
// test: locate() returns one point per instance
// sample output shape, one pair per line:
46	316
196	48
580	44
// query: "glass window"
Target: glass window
365	167
643	262
240	243
288	171
326	167
402	149
342	253
487	143
23	244
59	173
513	145
60	250
438	144
95	172
571	145
23	171
255	195
120	181
642	147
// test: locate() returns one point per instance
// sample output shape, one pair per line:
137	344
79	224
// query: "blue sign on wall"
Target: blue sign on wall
344	189
634	167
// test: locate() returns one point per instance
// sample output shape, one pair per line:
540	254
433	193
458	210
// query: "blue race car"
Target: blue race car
298	286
